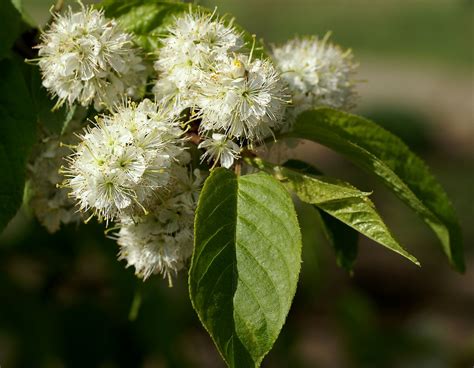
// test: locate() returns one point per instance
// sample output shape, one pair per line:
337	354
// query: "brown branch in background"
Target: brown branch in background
194	138
238	168
58	6
247	153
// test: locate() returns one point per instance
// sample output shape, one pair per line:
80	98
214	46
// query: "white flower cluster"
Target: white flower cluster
131	166
244	100
195	41
318	73
86	58
123	159
162	241
238	100
51	205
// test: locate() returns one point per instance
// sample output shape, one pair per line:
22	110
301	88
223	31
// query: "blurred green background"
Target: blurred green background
65	300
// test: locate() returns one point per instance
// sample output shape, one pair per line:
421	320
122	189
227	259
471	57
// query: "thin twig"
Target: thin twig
58	6
238	168
194	138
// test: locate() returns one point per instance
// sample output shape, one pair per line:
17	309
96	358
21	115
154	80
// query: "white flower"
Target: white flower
245	99
169	93
51	205
195	40
219	148
162	241
317	72
123	159
85	58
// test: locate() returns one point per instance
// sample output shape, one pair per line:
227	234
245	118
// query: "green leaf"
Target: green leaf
55	121
10	28
383	154
27	19
302	166
340	200
148	20
17	135
341	237
246	263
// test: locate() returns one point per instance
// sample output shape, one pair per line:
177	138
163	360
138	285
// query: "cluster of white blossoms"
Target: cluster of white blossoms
196	40
123	159
238	100
51	205
85	58
162	241
133	165
242	99
318	73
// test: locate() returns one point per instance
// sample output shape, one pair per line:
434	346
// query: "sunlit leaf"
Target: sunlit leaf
246	263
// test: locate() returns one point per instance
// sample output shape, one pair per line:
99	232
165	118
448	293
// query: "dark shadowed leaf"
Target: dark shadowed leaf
10	27
342	238
54	121
17	135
